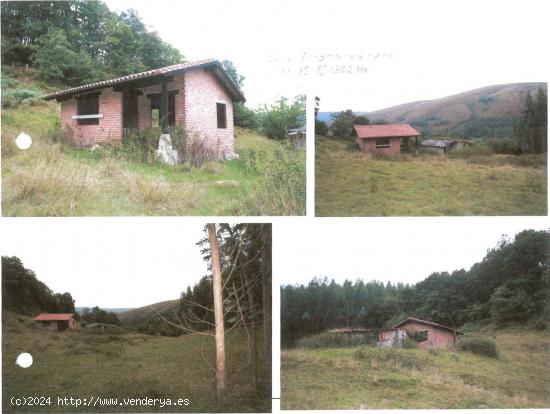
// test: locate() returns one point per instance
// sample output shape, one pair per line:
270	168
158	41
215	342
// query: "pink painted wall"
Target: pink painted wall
109	128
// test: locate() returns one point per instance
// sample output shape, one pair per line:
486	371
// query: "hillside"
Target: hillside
84	363
136	317
377	378
487	112
61	180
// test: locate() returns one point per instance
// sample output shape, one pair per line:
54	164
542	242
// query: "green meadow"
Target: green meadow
85	364
351	183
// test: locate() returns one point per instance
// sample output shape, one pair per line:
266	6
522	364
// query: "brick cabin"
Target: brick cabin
56	321
196	95
437	335
389	139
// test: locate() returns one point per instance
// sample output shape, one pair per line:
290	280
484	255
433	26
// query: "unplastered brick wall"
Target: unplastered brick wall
144	103
202	92
369	145
108	130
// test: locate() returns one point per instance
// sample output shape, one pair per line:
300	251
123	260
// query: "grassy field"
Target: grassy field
55	179
377	378
83	364
350	183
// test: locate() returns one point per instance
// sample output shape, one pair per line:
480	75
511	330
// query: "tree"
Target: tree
58	63
218	310
342	123
532	128
321	128
281	116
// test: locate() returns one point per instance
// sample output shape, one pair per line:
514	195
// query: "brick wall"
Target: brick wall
202	91
109	128
369	145
144	103
436	337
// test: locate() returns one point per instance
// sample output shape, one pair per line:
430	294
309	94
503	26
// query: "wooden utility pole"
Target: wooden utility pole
218	309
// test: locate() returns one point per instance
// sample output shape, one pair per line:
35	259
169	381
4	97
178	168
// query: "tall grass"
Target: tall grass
281	187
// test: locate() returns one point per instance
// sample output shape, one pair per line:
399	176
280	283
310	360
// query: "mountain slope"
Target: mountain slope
134	318
388	378
487	112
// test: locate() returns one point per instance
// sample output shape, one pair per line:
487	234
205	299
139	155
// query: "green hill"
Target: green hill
137	317
381	378
84	363
486	112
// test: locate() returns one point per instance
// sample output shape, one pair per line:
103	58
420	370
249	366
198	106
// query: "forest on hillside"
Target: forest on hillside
511	284
75	42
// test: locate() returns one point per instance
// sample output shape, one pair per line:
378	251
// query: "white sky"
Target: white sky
109	262
438	48
387	249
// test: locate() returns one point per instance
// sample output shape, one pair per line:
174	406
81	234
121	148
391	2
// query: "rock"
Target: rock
227	183
165	152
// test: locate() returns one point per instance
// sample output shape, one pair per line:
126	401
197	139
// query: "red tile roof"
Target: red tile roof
54	317
384	131
180	67
437	325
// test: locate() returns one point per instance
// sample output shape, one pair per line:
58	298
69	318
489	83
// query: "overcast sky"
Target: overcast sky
109	262
411	50
395	249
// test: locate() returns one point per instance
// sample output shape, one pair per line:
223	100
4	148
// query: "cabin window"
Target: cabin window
382	142
88	105
222	116
418	336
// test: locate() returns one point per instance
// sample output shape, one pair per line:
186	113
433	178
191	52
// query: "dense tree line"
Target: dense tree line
532	127
510	285
73	42
22	292
97	315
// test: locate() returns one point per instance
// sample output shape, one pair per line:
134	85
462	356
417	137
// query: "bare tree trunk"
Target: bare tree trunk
266	289
218	309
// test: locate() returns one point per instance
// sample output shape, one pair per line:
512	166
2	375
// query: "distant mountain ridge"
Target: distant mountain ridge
134	318
80	309
488	112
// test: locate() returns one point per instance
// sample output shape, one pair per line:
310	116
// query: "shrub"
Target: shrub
505	145
282	187
470	151
478	345
321	128
410	343
12	98
336	340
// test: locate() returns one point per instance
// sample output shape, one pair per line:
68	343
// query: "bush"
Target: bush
12	98
409	343
478	345
142	146
321	128
282	187
472	150
505	146
336	340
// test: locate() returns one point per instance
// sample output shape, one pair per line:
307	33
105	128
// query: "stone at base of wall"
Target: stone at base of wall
165	152
229	157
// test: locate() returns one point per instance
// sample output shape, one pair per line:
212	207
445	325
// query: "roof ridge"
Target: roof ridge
139	75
